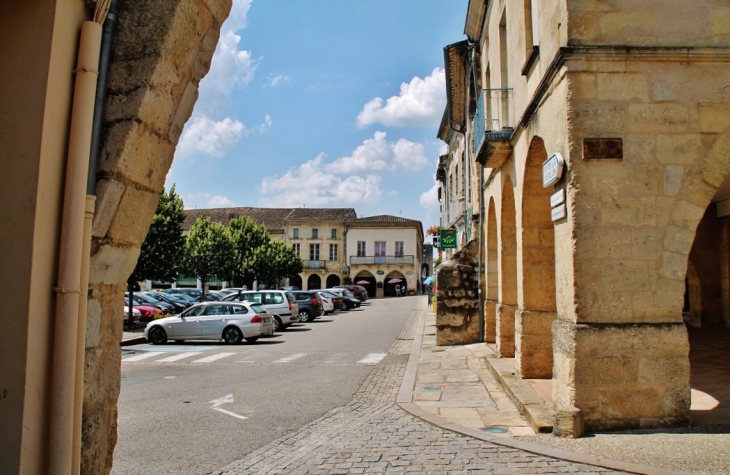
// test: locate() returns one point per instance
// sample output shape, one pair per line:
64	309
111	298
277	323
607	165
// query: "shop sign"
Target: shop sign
380	272
448	238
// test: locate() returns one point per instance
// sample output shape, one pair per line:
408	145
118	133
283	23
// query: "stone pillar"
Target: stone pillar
534	343
490	321
505	326
457	300
620	376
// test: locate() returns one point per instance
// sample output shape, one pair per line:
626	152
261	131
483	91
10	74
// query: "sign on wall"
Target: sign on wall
448	238
552	170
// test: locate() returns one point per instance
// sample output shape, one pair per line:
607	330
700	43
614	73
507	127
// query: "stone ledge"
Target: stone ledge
536	410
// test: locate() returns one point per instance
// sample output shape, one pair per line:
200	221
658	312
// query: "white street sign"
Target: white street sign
557	198
552	170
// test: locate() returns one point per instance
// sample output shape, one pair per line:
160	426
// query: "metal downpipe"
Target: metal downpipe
68	290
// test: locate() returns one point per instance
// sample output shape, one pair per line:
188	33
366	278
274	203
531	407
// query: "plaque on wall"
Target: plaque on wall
603	148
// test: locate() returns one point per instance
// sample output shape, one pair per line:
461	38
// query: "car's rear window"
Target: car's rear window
290	297
258	308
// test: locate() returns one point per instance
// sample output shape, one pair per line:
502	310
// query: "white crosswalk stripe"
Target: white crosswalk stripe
178	357
214	357
290	358
372	359
143	356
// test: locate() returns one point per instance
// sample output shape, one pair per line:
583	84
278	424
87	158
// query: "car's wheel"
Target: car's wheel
232	335
158	335
278	325
251	339
303	316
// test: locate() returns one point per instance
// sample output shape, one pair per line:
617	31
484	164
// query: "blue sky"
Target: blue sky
322	103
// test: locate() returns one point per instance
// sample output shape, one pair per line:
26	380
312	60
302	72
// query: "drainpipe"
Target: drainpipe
105	55
68	290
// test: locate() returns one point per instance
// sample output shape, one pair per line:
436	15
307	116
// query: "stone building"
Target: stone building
601	136
69	247
383	252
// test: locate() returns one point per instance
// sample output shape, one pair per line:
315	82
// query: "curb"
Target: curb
405	402
133	341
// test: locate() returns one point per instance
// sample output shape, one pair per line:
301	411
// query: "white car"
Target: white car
280	303
228	321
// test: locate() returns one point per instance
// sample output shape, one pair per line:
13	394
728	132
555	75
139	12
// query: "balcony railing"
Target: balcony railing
392	260
314	264
493	122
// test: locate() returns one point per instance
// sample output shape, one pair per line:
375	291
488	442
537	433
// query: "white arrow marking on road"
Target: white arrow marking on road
216	403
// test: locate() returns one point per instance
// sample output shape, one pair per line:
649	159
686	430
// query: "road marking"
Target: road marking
290	358
143	356
332	358
372	358
210	358
178	357
216	403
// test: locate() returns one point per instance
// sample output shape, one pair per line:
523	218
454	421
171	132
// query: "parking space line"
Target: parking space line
372	358
143	356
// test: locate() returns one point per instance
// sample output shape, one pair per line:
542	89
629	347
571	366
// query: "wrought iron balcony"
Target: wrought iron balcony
493	127
392	260
314	264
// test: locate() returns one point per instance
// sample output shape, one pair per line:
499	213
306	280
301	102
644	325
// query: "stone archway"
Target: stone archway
365	276
333	280
295	281
314	281
507	306
533	319
390	287
161	51
492	275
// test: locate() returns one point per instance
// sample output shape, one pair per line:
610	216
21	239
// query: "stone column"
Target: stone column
505	329
490	321
533	343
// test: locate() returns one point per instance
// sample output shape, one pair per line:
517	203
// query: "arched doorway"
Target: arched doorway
295	281
314	282
507	306
332	281
367	280
393	281
536	310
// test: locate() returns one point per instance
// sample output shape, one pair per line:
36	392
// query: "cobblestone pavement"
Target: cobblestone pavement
373	435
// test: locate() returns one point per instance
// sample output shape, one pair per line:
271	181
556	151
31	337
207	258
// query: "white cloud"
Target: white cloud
210	137
429	199
205	200
312	186
276	80
420	103
230	66
379	155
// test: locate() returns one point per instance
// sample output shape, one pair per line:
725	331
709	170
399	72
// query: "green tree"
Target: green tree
159	256
274	262
208	251
246	236
347	280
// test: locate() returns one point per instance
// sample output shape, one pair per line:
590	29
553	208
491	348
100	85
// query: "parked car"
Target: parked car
129	322
179	303
328	305
147	313
359	292
230	290
333	297
348	298
143	298
229	321
310	305
280	303
197	294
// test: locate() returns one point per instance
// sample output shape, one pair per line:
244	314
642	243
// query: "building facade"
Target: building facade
384	252
602	131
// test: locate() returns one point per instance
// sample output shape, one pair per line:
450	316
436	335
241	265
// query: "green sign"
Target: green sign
380	272
448	239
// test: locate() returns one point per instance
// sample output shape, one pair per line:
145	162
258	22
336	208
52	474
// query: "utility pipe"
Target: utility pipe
68	290
104	60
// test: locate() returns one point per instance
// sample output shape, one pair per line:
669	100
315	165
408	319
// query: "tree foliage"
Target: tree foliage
159	256
208	251
246	237
274	262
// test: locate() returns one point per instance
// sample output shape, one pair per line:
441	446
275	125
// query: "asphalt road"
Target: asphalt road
211	403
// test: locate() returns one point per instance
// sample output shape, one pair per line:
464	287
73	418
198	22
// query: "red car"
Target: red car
360	292
148	313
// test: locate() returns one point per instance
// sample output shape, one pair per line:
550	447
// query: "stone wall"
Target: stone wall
161	50
457	299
